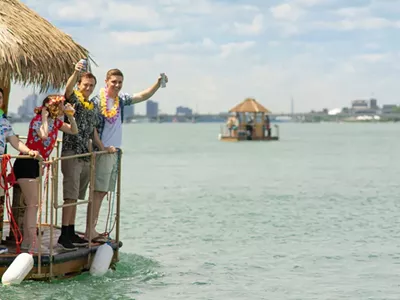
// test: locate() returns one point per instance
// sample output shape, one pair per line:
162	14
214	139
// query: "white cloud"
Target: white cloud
353	24
372	46
374	57
138	38
286	12
231	48
353	12
80	10
312	2
205	44
254	28
138	14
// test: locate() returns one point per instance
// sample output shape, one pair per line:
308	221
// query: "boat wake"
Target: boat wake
133	274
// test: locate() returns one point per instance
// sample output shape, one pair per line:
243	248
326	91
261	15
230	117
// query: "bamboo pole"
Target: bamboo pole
91	195
56	206
47	195
57	155
55	200
55	163
6	96
262	124
118	201
81	155
53	183
40	217
6	85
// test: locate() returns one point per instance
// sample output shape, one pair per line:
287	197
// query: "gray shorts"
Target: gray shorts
106	172
76	177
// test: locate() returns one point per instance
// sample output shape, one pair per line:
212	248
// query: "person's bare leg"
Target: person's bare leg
67	212
72	217
73	214
90	226
29	188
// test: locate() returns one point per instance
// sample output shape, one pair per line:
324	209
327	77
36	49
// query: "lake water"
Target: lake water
313	216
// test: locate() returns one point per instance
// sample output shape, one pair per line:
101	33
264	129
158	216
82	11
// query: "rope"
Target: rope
9	181
108	213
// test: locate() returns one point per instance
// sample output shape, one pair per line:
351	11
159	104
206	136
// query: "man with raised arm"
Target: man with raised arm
111	103
76	171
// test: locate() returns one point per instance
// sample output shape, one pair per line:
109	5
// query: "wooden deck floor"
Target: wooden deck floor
45	238
59	255
62	264
240	139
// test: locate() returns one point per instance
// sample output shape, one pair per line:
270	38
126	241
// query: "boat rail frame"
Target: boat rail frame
51	201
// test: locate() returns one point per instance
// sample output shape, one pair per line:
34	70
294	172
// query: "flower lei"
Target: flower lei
112	114
56	99
85	103
53	100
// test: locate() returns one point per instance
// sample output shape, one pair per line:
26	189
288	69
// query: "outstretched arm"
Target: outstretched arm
72	80
147	93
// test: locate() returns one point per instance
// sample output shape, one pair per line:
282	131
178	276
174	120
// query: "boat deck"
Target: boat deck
239	139
64	263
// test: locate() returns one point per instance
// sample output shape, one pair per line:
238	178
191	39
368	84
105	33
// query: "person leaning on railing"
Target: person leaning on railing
111	102
42	137
7	135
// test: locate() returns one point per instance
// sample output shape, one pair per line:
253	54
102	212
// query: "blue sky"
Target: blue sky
324	53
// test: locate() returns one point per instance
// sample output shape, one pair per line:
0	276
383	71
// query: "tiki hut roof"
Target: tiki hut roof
249	105
33	51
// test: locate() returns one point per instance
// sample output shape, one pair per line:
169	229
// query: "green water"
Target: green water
313	216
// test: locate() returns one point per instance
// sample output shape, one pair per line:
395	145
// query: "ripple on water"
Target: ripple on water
132	273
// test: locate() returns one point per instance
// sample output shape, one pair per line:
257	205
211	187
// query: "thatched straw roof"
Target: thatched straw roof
249	105
33	51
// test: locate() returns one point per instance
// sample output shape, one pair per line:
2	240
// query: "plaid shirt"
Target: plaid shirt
124	100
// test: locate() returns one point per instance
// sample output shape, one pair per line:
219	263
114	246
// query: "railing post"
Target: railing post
91	195
53	183
118	201
40	217
56	162
55	200
47	193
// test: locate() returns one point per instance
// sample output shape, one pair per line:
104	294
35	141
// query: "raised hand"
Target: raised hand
161	77
80	67
69	109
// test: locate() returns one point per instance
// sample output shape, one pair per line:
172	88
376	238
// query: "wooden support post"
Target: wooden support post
5	84
1	218
118	201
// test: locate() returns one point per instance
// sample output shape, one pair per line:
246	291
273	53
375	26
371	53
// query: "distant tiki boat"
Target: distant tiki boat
34	52
249	121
